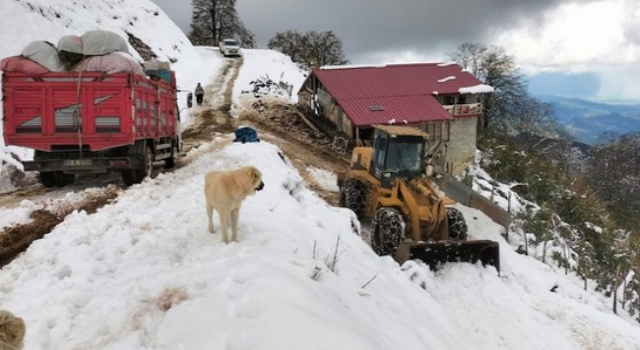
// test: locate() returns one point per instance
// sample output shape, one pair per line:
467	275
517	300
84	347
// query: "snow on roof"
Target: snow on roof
476	89
444	80
444	64
350	66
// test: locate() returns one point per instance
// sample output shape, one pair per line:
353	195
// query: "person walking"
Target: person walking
199	94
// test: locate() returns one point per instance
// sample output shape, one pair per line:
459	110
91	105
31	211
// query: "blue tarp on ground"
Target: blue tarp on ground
246	134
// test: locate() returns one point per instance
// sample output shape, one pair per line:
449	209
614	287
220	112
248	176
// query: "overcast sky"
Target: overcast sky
601	36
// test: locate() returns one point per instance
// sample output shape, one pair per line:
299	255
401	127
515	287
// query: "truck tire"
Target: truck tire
147	165
387	231
171	161
353	195
129	177
47	179
62	179
457	225
135	176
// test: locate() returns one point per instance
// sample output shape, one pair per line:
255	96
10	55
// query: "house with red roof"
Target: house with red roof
442	99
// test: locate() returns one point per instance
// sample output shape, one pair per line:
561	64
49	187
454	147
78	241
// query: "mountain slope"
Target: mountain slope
589	121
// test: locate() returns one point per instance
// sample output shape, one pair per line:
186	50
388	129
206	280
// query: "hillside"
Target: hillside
142	272
589	121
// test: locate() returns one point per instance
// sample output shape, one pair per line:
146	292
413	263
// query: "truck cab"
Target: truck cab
229	47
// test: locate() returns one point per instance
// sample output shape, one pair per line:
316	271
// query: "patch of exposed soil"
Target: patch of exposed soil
14	240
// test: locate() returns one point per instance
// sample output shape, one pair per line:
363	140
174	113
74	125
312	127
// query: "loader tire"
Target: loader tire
387	231
353	195
457	225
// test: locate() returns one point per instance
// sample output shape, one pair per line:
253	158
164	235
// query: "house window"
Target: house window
448	100
462	99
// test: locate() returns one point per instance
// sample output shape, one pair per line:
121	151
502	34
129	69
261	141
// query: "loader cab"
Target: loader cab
397	152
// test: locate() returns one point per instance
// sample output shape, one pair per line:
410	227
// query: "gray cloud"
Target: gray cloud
368	27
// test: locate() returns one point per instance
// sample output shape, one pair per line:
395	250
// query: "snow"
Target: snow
446	64
350	66
476	89
444	80
325	178
143	272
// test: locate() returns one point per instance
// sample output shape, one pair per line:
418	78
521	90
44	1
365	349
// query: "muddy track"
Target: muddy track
213	116
14	240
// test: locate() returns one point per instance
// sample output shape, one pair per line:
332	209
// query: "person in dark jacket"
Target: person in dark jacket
199	94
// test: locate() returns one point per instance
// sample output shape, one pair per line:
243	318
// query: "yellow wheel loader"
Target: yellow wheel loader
387	183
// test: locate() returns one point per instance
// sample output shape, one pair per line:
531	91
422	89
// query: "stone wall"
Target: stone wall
461	148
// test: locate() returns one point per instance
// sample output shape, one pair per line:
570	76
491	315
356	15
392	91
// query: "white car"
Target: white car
229	47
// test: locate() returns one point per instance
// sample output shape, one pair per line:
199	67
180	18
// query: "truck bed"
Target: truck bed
91	110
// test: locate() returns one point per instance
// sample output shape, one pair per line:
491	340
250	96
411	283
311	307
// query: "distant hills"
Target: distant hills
589	121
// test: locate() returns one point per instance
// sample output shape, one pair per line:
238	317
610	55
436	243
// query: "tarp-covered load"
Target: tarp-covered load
94	51
102	42
155	64
112	63
70	51
158	69
22	65
43	53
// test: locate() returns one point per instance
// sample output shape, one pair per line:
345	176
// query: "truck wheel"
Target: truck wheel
387	231
457	225
48	179
353	195
129	177
147	166
171	161
63	179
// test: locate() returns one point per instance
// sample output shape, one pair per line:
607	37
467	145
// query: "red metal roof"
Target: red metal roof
397	110
405	91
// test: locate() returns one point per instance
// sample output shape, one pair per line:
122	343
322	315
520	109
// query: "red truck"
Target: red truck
86	122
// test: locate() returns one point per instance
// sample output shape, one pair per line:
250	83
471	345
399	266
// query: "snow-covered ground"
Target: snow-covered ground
144	273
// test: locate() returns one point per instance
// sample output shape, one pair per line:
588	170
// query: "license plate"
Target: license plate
76	162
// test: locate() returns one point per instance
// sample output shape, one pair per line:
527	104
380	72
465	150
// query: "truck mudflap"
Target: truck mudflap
435	254
94	165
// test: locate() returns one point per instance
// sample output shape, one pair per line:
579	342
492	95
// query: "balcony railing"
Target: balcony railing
464	109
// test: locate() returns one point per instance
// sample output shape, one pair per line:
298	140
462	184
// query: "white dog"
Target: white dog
225	191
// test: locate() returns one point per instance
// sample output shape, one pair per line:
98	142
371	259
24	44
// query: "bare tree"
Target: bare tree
494	67
311	49
214	20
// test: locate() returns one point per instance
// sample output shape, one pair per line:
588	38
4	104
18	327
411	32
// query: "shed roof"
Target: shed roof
405	92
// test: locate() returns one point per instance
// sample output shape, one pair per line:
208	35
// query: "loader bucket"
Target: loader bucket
437	253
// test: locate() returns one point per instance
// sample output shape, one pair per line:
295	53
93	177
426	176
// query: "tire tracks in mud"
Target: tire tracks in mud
16	239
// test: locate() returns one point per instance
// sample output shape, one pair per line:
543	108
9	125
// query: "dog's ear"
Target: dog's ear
256	175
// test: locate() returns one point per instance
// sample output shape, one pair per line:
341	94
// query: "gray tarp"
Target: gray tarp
71	43
102	42
43	53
